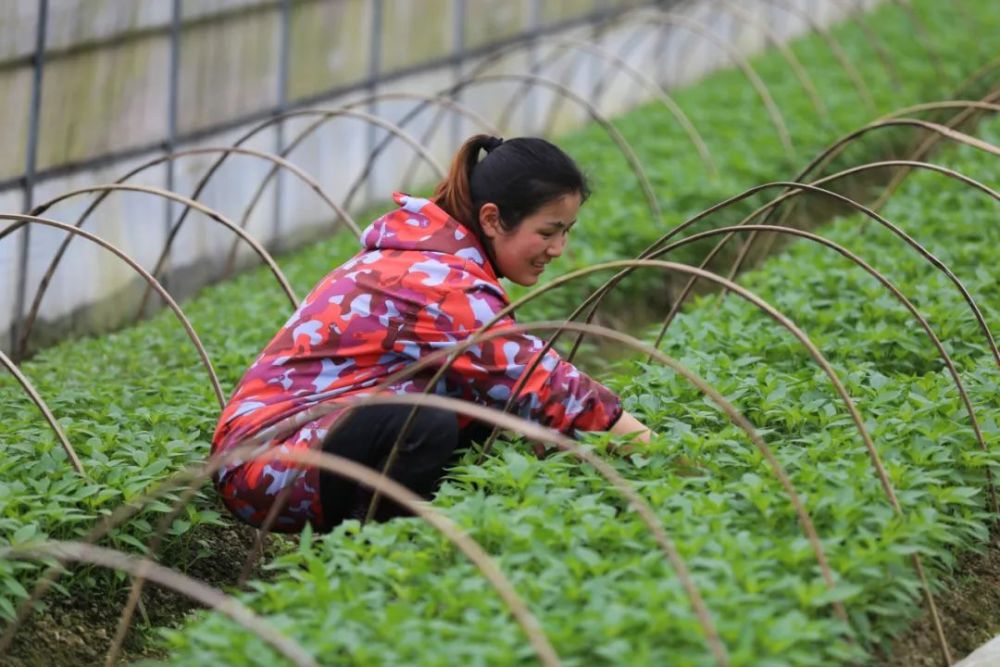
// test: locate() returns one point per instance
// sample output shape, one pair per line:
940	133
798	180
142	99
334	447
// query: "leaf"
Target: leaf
15	587
7	608
840	593
133	541
24	534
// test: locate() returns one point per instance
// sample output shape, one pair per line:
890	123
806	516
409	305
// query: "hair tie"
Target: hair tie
491	144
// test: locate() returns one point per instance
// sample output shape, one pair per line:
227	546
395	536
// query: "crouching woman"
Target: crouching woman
427	278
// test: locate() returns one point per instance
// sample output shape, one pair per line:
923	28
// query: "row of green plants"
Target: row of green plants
738	131
138	407
398	593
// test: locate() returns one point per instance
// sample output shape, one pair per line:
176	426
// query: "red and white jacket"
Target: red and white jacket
421	283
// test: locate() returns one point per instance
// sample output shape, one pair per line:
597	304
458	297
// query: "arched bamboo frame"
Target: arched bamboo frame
885	282
890	120
564	45
211	213
199	188
257	446
769	208
446	357
191	588
970	108
786	323
598	294
909	240
922	35
855	14
535	432
664	19
860	87
43	407
198	473
620	142
191	333
105	190
594	300
974	78
601	52
775	42
753	228
446	104
939	132
824	157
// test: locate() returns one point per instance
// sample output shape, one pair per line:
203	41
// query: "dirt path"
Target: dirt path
78	631
969	609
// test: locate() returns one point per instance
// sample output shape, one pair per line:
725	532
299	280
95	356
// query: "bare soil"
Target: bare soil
969	611
78	630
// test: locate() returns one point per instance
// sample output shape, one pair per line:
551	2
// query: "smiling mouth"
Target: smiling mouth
539	266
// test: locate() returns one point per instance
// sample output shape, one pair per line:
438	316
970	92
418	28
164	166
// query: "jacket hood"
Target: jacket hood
420	224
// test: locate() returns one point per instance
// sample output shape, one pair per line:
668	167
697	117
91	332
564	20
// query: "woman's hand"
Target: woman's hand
627	425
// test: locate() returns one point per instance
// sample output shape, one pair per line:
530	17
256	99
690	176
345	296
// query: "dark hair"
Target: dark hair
519	175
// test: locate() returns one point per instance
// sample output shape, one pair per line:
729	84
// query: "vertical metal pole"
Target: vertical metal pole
284	45
459	10
173	82
374	68
664	50
34	113
594	69
532	113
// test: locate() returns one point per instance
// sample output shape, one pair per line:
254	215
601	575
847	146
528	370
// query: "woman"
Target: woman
427	278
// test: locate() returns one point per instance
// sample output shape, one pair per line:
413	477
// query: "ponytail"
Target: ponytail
454	193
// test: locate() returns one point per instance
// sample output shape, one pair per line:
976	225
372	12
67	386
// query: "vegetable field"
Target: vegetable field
825	402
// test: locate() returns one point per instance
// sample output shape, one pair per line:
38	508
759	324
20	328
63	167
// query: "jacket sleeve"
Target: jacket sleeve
556	395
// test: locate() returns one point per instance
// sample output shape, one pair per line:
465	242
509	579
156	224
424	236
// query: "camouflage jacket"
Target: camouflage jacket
421	283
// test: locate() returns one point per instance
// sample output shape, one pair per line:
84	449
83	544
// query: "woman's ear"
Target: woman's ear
489	220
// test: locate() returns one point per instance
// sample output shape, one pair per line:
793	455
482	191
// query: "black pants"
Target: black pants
366	436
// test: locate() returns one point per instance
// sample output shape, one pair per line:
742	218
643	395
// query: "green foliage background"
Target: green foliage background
138	407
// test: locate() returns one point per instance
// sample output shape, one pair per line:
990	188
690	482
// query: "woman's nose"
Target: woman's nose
556	249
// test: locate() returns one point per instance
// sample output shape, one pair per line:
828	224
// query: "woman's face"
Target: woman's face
522	255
